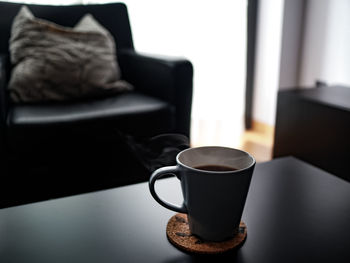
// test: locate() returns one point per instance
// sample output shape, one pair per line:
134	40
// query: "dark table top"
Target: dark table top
294	213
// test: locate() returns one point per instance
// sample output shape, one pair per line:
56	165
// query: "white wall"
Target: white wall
315	46
326	44
293	24
269	38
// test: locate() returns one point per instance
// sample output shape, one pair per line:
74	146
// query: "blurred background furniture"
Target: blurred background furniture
314	125
55	149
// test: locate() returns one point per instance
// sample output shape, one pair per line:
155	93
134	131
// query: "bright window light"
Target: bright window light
213	37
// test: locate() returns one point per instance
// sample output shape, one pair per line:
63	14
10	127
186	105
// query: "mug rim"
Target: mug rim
210	172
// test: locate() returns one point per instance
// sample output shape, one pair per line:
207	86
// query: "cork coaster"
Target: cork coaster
179	235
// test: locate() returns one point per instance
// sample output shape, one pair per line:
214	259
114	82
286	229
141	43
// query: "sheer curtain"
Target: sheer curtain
212	35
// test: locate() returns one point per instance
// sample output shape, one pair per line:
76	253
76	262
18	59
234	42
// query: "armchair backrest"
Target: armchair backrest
113	16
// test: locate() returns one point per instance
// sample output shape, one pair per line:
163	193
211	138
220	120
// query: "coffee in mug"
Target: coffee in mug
218	168
215	182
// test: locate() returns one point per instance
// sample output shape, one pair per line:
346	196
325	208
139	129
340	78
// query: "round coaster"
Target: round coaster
179	235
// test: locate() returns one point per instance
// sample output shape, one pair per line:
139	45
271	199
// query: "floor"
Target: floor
258	142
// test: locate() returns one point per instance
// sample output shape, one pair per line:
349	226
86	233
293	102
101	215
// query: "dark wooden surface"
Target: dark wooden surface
314	125
294	213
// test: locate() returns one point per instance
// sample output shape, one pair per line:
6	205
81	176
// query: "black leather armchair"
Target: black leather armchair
55	148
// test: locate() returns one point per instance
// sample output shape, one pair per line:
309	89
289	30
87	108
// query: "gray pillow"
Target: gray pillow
56	63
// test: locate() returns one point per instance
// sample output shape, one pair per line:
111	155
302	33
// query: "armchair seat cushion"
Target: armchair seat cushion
131	112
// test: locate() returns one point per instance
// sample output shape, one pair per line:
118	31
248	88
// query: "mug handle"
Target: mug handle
158	174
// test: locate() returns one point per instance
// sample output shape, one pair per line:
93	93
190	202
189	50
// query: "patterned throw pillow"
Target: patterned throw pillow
56	63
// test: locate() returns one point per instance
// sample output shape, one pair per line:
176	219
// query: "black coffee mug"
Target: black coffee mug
215	182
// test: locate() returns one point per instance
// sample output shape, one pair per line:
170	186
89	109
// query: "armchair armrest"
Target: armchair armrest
169	79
